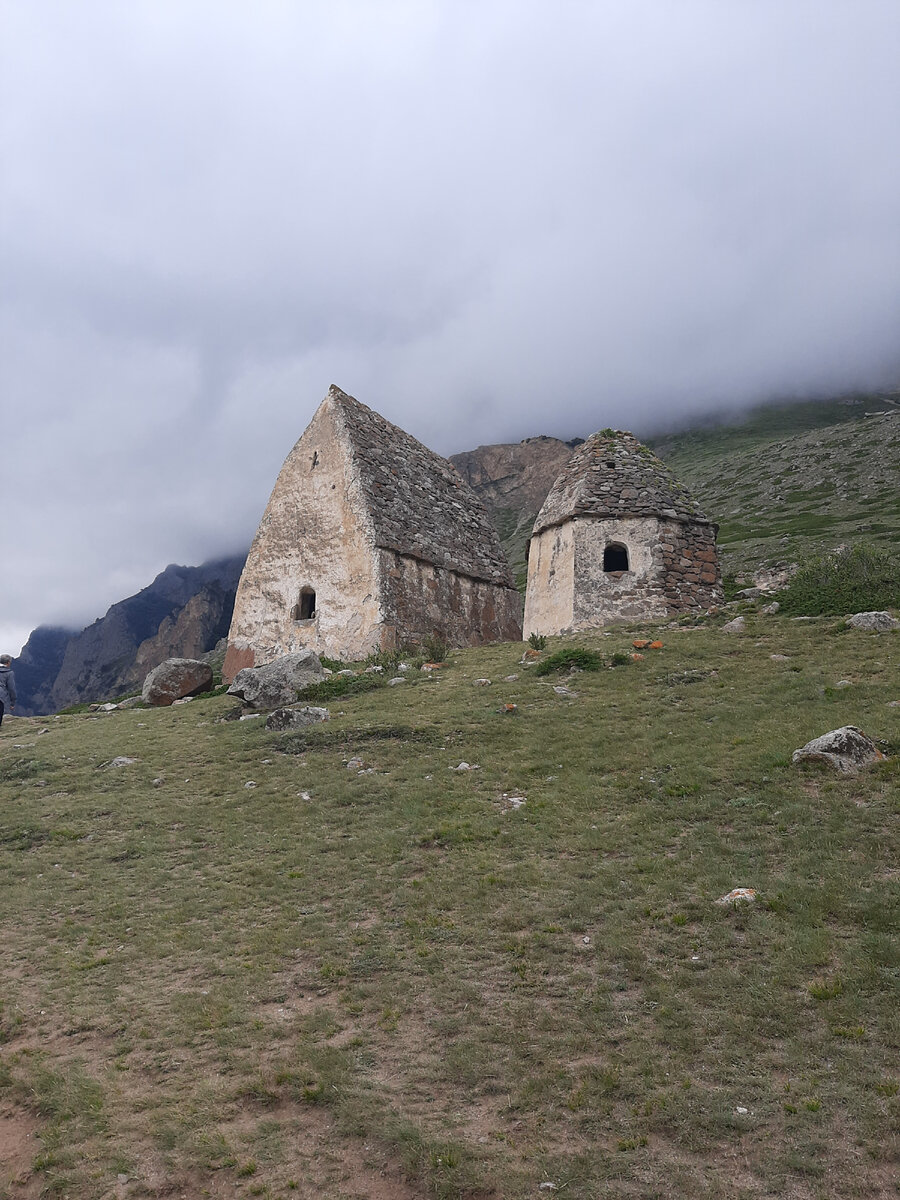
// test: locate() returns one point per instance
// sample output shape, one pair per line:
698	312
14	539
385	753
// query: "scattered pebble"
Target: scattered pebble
842	683
251	783
354	764
397	679
304	795
513	802
779	658
250	717
482	682
740	1109
562	690
122	761
510	678
464	766
738	896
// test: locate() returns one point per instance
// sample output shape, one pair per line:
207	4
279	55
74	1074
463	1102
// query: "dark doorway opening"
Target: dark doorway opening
305	608
615	557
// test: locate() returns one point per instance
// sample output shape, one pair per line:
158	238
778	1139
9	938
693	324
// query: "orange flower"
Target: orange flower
656	645
637	657
640	644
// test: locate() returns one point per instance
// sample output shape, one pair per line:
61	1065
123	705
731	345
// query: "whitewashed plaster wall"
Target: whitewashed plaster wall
314	533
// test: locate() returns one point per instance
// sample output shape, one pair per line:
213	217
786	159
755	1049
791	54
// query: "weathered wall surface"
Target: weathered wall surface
420	599
637	594
314	533
673	568
549	597
691	565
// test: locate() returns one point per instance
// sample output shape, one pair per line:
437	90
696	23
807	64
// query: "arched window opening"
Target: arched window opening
305	608
615	557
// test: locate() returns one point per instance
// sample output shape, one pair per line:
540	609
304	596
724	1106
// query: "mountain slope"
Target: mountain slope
182	613
780	497
512	481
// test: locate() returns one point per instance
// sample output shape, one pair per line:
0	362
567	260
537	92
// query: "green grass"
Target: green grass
385	976
789	481
860	578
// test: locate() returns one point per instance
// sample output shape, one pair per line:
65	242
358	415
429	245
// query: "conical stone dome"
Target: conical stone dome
613	475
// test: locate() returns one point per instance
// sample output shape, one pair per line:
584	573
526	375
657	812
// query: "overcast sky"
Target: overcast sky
487	219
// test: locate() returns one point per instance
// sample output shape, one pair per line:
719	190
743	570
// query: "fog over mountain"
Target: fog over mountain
487	221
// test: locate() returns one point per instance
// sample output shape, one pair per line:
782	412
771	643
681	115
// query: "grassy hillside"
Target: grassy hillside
792	481
245	964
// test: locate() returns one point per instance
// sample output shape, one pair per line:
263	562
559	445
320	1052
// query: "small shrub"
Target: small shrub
619	659
436	649
858	579
566	660
537	641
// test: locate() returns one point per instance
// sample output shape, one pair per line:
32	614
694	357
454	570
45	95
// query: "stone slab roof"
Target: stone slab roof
419	504
613	475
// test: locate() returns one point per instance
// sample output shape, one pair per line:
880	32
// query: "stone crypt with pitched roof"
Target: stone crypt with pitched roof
618	538
369	540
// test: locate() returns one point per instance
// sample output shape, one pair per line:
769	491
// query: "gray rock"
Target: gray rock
296	718
279	683
878	622
174	678
131	702
397	679
847	749
738	625
771	609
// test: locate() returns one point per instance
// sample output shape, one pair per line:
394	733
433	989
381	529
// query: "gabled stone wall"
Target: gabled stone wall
314	533
420	599
393	543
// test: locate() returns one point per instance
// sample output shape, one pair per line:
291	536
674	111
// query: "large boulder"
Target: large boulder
848	749
879	622
284	719
175	678
278	683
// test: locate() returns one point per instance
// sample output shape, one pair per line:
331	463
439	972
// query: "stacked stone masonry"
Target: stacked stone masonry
369	540
618	538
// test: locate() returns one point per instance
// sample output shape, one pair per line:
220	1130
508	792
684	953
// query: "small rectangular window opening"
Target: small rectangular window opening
305	608
615	557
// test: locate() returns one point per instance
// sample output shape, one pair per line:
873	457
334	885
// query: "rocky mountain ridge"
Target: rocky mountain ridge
183	613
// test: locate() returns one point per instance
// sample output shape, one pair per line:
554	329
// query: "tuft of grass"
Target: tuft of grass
569	658
337	686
